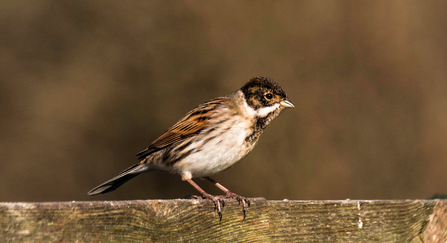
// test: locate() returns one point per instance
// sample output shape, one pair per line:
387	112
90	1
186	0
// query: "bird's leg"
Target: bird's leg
230	194
218	202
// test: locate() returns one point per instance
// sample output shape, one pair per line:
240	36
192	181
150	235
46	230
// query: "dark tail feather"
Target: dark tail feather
118	180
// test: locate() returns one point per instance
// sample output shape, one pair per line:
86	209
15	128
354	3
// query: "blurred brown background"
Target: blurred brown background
85	85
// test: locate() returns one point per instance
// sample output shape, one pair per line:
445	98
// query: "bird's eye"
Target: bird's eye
268	96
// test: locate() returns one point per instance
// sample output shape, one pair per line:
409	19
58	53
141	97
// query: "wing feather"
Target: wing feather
191	124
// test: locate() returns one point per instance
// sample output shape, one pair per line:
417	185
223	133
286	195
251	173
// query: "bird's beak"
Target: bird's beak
286	103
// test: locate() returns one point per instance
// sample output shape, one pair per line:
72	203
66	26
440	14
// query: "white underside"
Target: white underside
216	155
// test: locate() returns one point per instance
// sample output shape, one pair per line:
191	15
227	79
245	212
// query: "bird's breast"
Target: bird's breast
216	149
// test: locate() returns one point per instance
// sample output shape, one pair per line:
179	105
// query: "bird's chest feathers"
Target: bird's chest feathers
222	149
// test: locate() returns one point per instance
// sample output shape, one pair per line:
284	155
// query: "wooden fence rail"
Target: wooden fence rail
194	220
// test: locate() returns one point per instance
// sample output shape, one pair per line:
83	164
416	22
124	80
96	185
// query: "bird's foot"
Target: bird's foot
218	203
240	199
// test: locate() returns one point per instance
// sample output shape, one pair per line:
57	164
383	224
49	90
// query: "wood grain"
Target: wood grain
195	220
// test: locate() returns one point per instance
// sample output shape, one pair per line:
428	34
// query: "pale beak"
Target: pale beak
286	103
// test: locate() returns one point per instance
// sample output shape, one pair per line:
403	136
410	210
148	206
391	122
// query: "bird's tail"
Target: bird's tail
120	179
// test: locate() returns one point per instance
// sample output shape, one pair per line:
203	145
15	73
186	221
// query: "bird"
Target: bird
211	138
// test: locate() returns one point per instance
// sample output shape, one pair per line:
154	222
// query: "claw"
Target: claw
218	203
240	199
218	208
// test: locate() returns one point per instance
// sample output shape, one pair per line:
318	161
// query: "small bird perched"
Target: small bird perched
211	138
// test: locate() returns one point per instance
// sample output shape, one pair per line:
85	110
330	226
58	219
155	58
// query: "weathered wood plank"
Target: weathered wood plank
195	220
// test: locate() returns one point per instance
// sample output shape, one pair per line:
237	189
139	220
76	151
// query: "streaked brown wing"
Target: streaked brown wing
180	130
192	123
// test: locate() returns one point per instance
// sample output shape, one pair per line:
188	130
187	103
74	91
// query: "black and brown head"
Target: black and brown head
264	92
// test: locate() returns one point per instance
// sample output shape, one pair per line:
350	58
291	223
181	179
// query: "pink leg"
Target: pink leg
218	202
230	194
